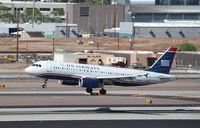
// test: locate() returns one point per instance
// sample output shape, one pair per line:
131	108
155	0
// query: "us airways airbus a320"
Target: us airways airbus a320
94	76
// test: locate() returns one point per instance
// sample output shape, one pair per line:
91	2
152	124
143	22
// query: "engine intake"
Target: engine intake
89	83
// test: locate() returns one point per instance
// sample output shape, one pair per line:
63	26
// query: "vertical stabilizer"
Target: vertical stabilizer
164	63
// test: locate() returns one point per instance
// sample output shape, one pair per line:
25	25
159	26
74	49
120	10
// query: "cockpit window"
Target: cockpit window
37	65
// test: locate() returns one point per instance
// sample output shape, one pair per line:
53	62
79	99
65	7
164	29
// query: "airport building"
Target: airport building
144	59
160	18
38	30
126	18
160	10
135	59
167	29
131	59
89	18
87	57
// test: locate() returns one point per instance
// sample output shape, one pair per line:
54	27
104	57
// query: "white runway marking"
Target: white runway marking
98	108
100	116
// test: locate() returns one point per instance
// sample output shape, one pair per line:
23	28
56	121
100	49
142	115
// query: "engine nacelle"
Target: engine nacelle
68	82
89	83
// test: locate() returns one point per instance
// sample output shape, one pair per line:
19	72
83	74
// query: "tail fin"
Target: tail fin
164	63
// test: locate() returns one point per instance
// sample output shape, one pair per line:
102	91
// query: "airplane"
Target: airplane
94	76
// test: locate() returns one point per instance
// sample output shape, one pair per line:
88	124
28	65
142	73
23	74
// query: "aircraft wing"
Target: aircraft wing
115	77
112	77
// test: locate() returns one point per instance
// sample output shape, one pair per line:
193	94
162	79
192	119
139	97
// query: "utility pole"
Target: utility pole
27	55
33	14
17	53
115	25
53	39
98	45
97	25
133	33
114	18
117	43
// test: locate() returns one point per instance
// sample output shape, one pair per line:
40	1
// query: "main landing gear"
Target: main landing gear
45	83
101	92
89	90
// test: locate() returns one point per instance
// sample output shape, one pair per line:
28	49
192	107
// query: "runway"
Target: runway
24	103
104	124
28	92
113	117
101	113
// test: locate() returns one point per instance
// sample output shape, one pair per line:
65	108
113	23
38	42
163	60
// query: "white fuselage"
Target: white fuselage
57	70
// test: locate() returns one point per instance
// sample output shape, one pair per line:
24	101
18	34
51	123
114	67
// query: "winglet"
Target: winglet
164	63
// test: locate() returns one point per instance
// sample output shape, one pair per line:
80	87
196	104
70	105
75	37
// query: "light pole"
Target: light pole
117	43
98	45
53	40
17	56
114	20
133	19
27	56
133	33
115	24
33	14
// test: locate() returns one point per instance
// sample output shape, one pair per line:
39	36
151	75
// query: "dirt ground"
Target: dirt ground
71	44
46	44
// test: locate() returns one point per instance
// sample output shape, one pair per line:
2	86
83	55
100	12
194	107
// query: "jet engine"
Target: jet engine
89	83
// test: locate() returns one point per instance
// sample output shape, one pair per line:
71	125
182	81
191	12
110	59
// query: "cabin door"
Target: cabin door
49	66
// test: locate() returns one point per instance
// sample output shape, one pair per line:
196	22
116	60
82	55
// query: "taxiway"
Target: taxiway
25	103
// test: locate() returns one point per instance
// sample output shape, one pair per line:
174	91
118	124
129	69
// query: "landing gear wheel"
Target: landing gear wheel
89	90
45	83
102	91
44	86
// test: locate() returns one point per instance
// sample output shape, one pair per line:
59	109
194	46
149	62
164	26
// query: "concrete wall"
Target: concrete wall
58	57
61	56
188	60
4	30
98	18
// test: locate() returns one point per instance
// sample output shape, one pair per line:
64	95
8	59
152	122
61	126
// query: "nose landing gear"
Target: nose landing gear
45	83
